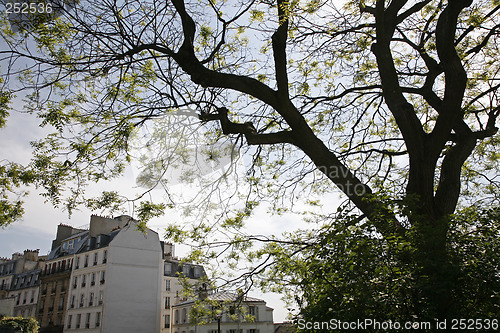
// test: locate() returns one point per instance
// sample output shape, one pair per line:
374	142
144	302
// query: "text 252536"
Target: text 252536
28	8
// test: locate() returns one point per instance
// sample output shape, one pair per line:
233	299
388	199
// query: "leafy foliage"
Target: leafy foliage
29	325
391	104
346	270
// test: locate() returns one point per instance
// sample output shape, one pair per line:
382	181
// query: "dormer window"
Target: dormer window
168	268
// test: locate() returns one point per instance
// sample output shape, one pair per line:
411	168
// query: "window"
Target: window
254	311
72	303
78	320
70	319
87	321
167	321
97	319
176	317
167	302
61	303
197	271
92	280
54	286
77	264
103	275
167	269
18	299
252	330
184	315
82	298
91	299
100	297
75	281
167	285
51	304
185	270
104	256
83	280
86	263
95	258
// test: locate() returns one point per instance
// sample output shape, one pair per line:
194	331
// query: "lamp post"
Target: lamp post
219	317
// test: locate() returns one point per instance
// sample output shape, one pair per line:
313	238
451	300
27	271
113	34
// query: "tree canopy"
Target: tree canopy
392	103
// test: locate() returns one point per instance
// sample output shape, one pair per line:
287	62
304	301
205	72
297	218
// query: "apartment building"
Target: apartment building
55	278
226	312
19	283
114	278
123	279
19	263
171	288
24	290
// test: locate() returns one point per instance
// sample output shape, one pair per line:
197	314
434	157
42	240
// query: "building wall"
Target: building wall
262	323
86	296
134	291
168	299
7	306
132	301
26	301
52	300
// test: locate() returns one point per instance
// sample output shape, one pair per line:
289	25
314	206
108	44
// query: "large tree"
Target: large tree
394	103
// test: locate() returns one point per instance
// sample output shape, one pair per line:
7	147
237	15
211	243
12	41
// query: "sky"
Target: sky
37	228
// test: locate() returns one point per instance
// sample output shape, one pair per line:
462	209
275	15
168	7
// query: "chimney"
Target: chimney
103	225
63	231
31	255
168	250
203	291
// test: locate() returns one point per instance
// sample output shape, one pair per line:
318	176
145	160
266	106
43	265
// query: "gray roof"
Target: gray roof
225	296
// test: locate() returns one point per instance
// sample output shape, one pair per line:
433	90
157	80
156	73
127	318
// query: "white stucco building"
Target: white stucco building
116	279
231	312
123	280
